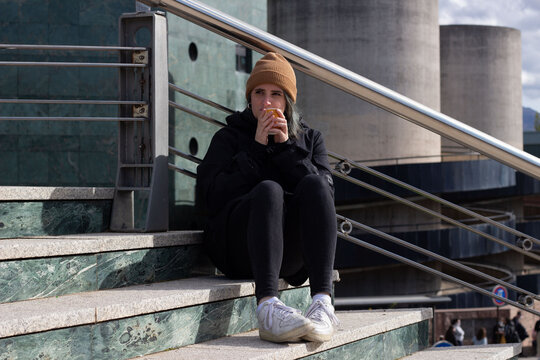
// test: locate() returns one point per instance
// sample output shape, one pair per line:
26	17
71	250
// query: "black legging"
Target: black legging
282	235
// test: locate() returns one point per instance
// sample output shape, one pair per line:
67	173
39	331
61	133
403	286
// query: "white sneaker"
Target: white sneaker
281	323
321	314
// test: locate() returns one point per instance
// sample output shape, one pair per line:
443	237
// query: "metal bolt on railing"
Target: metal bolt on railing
343	167
524	243
345	227
526	300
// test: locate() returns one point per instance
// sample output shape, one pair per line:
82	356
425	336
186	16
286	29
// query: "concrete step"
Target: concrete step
370	334
38	267
42	210
36	193
132	321
480	352
50	246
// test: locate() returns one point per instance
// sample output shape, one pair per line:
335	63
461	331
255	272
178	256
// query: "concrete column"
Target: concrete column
395	43
481	81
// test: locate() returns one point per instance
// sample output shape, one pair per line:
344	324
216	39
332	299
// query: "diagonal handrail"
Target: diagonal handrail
434	213
201	99
352	83
354	240
196	114
430	196
433	255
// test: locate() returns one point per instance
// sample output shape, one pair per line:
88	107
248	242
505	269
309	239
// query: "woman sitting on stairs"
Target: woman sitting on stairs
266	188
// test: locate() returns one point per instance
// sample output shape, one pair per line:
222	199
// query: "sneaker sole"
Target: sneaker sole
318	337
292	336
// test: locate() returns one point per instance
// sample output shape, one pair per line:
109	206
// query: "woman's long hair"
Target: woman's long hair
293	118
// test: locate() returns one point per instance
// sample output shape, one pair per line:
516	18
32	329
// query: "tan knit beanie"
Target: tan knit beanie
272	68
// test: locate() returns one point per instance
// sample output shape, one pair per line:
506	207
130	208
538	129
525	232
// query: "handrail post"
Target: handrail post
142	175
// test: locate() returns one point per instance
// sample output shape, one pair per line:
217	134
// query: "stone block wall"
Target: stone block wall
47	153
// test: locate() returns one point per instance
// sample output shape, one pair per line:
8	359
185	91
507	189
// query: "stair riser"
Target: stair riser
26	279
390	345
35	218
140	335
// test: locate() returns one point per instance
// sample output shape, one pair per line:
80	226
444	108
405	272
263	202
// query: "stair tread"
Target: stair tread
46	246
355	325
484	352
31	316
27	193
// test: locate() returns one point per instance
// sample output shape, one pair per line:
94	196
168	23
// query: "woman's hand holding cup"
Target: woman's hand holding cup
271	122
279	128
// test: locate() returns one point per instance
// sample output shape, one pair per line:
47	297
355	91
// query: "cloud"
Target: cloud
523	15
527	78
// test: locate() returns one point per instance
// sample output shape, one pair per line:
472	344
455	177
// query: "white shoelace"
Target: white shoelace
281	310
318	309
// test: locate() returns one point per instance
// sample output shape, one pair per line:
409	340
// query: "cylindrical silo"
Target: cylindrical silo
394	43
481	81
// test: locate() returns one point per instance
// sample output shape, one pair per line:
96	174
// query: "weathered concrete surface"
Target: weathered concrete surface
394	43
481	80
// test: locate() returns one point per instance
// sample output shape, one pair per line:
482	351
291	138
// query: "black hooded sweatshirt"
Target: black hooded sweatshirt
235	163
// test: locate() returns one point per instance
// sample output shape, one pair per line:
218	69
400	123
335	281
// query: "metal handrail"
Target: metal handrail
70	47
419	226
182	170
351	83
498	215
433	255
69	118
509	277
201	99
180	153
70	64
194	113
406	159
433	213
428	196
425	268
71	102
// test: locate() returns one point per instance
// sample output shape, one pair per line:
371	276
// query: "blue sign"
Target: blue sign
502	292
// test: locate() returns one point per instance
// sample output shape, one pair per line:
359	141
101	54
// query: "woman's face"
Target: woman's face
267	96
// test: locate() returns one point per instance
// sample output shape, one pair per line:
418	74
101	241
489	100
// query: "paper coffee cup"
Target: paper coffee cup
275	112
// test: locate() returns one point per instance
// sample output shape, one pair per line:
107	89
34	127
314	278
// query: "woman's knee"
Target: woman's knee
313	184
267	191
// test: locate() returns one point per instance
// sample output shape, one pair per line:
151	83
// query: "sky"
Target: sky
523	15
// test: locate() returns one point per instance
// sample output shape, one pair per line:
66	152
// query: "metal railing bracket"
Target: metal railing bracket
140	57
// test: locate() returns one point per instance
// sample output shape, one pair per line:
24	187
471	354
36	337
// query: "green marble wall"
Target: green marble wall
59	153
212	75
390	345
126	338
37	278
34	218
82	153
